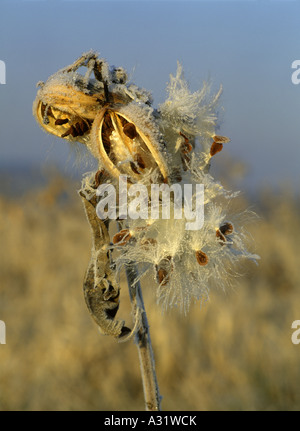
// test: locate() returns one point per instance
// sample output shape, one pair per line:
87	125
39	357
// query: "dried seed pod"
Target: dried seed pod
61	123
103	302
65	107
122	147
101	290
67	103
201	257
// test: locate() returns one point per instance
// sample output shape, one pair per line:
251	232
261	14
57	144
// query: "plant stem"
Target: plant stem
143	342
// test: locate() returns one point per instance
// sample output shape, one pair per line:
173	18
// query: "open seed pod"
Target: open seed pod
61	123
126	145
67	111
67	103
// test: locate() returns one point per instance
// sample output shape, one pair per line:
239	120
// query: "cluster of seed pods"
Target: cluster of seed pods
116	122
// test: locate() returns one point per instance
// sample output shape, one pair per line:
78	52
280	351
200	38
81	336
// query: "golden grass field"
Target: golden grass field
233	353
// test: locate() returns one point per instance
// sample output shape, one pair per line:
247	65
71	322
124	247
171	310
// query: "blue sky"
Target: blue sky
247	46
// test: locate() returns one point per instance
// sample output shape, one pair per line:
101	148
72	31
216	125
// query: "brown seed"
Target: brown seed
226	228
186	146
221	139
134	168
163	270
220	236
185	161
201	257
122	237
43	108
130	130
78	129
73	131
107	124
187	149
215	148
49	112
106	140
68	132
46	108
61	121
98	177
162	276
140	162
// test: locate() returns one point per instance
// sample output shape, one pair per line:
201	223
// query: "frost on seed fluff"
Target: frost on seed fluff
185	264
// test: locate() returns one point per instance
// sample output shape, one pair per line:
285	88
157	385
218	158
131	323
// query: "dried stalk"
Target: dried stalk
102	298
143	342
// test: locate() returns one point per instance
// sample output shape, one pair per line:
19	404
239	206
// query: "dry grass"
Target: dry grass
235	353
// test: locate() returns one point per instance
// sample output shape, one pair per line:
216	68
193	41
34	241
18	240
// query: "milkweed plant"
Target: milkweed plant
174	221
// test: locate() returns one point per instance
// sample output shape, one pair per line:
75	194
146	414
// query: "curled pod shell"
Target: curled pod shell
67	103
61	123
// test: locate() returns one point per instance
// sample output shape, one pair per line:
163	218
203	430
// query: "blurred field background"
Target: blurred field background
233	353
